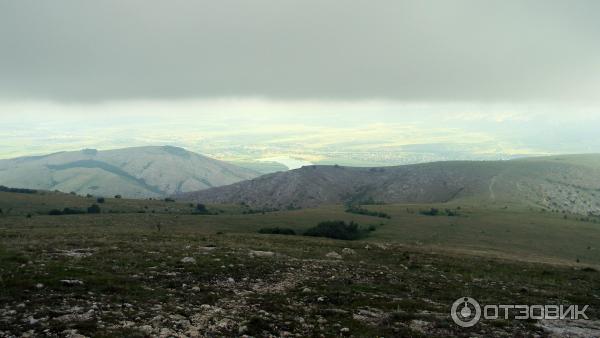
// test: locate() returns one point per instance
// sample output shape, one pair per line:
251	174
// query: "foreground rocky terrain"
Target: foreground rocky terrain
163	268
108	282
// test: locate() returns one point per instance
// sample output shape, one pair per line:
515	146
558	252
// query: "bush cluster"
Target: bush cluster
329	229
93	209
337	230
438	212
17	190
259	211
201	209
277	231
363	211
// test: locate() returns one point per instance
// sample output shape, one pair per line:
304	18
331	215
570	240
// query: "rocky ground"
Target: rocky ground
91	282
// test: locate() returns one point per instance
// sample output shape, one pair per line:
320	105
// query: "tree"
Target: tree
118	196
100	200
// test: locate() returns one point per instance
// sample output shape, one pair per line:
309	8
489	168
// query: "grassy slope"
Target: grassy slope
41	203
524	233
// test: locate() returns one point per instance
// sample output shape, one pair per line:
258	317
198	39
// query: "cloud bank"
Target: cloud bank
457	50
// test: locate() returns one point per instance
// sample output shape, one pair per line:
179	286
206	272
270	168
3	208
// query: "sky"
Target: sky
358	82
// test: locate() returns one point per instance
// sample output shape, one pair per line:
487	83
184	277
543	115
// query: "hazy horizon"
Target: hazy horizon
313	131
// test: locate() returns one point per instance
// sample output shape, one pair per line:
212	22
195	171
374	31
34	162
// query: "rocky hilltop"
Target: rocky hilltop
563	183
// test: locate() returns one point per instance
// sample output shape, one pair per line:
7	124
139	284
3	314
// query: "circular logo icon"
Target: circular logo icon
466	312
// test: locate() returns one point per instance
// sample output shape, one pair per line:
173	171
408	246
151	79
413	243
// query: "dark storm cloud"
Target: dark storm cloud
421	50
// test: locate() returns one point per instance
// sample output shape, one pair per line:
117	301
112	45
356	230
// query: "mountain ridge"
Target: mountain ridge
569	183
137	172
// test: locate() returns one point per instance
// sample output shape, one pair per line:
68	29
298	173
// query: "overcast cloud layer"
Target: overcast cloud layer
418	50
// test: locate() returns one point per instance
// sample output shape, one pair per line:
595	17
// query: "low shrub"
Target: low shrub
430	212
65	211
201	209
94	209
363	211
72	211
17	190
337	230
259	211
369	200
451	213
438	212
277	231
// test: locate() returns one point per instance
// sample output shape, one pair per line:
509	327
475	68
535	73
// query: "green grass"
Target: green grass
519	232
